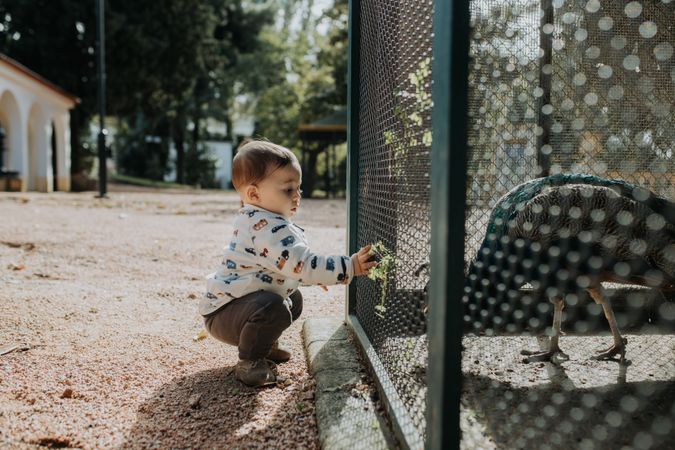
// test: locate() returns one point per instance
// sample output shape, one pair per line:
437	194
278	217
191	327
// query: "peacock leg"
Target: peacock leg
619	346
553	347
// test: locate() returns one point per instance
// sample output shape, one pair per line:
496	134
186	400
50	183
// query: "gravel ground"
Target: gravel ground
579	403
99	298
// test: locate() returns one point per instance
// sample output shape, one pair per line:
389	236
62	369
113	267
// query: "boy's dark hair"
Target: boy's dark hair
255	159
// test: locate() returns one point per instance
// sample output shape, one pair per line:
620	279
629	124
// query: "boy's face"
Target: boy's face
279	192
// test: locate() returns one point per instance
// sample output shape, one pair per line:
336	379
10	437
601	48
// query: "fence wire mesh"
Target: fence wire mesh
581	91
570	222
394	167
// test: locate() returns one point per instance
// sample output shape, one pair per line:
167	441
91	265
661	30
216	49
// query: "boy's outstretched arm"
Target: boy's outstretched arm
285	251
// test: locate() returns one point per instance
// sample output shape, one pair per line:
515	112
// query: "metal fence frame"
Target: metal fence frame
448	155
451	133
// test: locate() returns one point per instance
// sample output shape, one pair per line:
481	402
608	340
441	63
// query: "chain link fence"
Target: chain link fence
570	222
560	88
394	202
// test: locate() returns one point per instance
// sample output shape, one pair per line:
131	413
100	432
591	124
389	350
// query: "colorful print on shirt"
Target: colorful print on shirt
278	227
281	262
264	278
262	245
288	240
260	225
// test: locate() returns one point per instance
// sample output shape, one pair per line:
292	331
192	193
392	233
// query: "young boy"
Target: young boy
253	296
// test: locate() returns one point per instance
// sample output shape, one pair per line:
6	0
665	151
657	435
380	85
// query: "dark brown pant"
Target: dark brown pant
253	322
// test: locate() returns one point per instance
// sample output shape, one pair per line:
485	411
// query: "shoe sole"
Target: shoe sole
263	384
277	361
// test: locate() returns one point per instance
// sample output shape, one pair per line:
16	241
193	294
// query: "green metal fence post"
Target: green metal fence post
353	96
448	202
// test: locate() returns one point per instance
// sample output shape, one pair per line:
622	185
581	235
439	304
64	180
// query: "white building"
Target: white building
35	116
221	151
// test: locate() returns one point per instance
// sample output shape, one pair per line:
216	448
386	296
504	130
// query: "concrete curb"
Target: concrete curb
346	416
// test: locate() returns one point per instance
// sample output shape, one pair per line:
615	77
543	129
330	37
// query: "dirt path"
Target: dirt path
100	296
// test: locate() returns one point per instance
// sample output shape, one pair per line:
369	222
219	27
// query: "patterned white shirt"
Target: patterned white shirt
268	252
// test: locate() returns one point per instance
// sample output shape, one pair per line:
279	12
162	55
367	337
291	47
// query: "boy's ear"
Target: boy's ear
252	193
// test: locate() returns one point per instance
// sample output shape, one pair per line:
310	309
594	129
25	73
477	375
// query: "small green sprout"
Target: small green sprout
381	273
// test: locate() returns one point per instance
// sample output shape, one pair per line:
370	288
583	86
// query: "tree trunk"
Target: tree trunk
196	119
164	131
326	172
310	175
178	130
229	132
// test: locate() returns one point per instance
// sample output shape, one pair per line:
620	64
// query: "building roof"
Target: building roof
40	79
330	127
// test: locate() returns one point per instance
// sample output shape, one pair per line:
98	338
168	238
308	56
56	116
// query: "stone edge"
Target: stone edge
344	417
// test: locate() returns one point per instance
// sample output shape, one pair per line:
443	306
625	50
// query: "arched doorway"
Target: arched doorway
3	147
10	122
52	148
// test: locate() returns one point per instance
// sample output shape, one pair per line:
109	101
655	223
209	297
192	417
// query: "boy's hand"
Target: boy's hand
362	261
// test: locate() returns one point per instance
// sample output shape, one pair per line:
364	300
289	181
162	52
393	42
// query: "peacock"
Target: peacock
567	232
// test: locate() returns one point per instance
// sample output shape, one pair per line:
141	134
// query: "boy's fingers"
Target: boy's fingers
364	261
368	260
373	257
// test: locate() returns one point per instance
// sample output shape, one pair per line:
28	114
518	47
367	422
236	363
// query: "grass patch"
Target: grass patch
137	181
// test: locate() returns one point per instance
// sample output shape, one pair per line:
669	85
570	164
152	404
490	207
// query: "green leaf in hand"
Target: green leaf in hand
381	272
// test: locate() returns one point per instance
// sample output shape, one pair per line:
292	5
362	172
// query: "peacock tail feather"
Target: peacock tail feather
512	202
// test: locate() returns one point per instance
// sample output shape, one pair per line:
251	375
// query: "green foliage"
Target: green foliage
181	59
142	160
414	106
172	62
137	181
381	273
311	77
140	150
179	62
56	40
200	167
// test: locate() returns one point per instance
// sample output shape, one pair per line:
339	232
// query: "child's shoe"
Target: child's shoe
255	373
278	354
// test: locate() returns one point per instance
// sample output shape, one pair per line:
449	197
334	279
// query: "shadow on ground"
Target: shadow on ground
201	410
562	415
212	409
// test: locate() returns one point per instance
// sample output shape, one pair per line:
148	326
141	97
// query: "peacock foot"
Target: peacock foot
544	356
613	350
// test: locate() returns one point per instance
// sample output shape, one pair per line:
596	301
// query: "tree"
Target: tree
629	82
168	63
191	51
58	43
312	80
